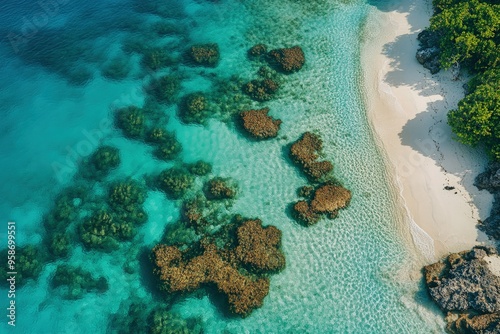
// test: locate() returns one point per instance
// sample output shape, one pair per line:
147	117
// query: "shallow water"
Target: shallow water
345	275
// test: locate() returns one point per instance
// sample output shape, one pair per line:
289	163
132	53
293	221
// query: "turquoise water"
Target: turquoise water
342	276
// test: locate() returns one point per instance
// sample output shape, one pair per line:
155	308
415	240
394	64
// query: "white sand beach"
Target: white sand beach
407	107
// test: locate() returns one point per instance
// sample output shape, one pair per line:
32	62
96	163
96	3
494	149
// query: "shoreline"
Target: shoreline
406	108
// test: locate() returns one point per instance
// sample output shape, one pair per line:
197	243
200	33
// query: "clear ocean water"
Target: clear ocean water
348	275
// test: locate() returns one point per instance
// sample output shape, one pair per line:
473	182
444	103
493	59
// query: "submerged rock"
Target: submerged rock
467	285
162	321
204	55
329	198
157	58
259	125
137	316
164	89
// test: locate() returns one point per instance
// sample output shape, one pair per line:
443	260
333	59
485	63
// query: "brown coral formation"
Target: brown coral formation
305	151
326	199
303	213
256	247
259	125
288	60
466	287
180	275
219	188
329	198
204	54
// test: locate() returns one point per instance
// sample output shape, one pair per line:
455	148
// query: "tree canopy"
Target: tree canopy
468	33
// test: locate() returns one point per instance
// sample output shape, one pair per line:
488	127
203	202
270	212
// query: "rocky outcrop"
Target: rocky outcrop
287	60
326	199
428	53
305	152
256	249
259	125
467	286
489	179
428	58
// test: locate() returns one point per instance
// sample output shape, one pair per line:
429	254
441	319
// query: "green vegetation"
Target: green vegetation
469	35
477	118
468	32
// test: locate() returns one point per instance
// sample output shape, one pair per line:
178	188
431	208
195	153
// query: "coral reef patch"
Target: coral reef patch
203	55
255	248
326	199
261	90
259	124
